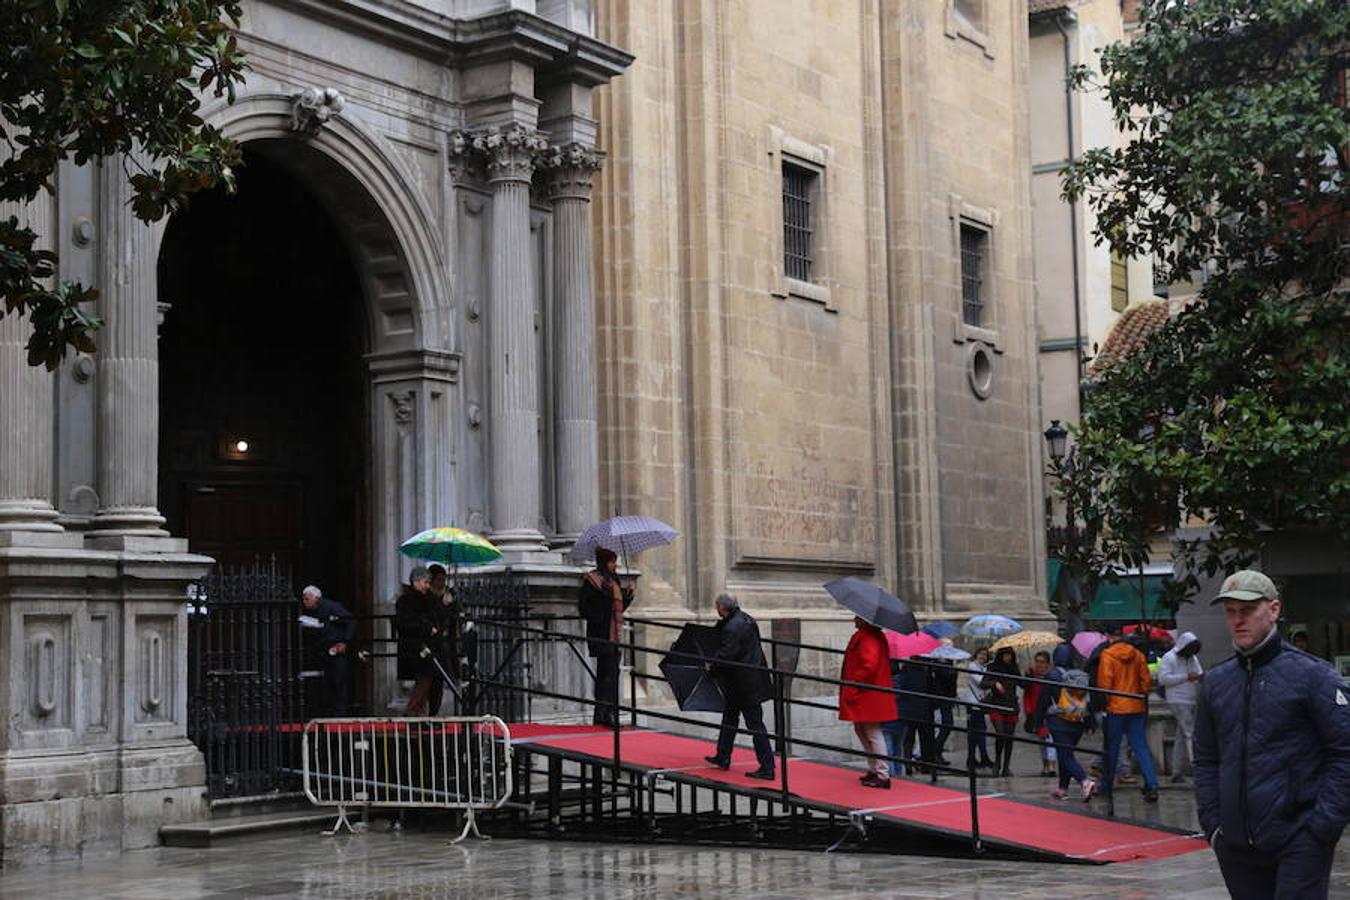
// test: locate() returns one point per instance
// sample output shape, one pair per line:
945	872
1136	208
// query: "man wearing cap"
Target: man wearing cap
1272	753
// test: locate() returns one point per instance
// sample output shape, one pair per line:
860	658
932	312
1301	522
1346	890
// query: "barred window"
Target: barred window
799	185
974	249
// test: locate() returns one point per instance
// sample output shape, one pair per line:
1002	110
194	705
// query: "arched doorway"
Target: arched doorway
264	448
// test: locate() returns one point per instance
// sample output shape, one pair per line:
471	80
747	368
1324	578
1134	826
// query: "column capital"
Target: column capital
571	169
504	154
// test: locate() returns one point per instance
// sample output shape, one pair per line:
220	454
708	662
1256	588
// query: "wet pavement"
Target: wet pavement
423	865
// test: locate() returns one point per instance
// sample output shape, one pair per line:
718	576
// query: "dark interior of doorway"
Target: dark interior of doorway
262	343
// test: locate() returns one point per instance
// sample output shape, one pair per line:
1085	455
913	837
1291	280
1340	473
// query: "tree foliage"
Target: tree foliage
1233	166
122	79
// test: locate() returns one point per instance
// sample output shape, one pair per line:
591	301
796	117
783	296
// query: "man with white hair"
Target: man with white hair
1272	753
335	629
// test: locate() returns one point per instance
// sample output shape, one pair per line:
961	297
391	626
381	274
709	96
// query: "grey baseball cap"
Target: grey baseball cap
1248	585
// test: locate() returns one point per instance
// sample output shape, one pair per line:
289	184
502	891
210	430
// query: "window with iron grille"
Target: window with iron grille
799	186
974	249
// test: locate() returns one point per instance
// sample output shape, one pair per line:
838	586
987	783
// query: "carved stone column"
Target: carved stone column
128	365
513	364
576	463
26	406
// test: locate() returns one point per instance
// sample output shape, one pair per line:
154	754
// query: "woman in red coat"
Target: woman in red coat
868	661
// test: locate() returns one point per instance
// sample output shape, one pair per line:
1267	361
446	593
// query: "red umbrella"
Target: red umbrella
903	646
1154	632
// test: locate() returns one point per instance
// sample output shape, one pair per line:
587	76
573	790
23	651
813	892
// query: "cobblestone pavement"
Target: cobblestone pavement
413	864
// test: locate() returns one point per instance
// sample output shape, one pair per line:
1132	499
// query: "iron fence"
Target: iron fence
246	699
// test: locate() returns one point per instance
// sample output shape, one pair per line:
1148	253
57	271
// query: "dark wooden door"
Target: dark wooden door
237	523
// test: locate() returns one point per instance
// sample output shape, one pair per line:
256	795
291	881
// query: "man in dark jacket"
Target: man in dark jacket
334	629
944	685
1272	753
601	602
745	688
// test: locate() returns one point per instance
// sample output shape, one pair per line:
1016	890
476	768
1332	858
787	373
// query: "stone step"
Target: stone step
212	831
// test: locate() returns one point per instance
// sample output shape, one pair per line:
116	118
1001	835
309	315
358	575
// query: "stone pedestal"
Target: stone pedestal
93	658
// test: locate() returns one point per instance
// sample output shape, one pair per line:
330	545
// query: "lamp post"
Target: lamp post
1061	461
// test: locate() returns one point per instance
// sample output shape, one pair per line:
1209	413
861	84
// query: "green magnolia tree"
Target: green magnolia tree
1234	166
83	79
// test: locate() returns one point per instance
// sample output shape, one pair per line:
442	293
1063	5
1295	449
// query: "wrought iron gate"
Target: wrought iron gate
246	703
493	601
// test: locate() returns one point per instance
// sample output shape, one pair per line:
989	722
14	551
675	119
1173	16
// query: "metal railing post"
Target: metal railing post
780	723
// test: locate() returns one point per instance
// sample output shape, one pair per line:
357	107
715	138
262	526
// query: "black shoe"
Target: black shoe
1006	773
1150	795
986	764
761	774
872	779
719	762
943	761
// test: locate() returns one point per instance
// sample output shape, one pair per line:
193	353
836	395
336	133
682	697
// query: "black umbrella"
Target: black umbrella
685	669
868	601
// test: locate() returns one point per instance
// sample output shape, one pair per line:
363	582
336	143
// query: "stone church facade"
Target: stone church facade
516	265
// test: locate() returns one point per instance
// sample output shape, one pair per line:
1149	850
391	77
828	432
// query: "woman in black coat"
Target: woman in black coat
1003	694
417	622
601	602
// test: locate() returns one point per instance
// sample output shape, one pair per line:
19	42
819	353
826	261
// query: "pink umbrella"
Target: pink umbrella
1086	641
903	646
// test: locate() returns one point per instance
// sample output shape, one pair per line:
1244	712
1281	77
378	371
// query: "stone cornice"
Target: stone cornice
561	53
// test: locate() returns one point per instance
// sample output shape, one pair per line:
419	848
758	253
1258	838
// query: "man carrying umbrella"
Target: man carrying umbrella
745	689
601	602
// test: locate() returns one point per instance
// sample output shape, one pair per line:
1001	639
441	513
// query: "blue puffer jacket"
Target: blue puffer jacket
1272	749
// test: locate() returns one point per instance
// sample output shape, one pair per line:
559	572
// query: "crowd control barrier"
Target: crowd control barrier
444	763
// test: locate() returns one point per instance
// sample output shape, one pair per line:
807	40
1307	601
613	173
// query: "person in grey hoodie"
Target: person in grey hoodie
1179	671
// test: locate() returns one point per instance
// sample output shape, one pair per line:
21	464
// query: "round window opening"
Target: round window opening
980	369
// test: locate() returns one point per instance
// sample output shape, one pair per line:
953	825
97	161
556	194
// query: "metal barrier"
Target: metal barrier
447	763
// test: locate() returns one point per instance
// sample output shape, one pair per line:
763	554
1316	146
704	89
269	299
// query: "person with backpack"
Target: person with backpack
1068	718
1179	673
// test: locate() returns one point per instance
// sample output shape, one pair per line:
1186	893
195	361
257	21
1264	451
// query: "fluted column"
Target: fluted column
513	358
26	405
576	439
128	364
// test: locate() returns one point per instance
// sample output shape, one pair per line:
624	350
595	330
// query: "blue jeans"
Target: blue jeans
1131	727
975	736
900	736
1066	735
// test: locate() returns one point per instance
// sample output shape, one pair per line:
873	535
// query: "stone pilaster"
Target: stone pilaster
576	463
509	156
128	365
26	406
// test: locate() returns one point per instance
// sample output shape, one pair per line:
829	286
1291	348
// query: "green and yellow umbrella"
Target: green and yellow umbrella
451	547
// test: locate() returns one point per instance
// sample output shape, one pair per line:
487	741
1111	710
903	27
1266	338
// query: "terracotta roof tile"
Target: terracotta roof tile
1132	330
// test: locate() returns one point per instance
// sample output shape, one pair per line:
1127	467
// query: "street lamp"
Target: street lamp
1057	437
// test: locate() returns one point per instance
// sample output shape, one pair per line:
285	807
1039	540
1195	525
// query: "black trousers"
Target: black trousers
337	683
1302	869
754	722
606	689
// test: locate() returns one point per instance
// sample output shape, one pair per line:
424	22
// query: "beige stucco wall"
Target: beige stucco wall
795	440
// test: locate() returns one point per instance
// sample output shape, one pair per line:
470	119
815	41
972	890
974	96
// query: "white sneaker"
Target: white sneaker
1089	788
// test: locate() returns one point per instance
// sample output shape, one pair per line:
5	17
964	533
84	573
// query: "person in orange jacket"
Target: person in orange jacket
1123	667
868	660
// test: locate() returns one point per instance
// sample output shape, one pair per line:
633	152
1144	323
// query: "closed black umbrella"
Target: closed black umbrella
869	601
685	669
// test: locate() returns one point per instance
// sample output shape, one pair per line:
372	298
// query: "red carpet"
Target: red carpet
928	806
